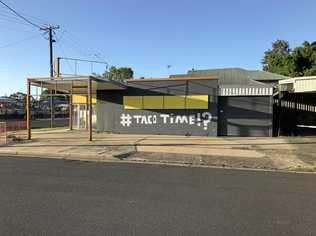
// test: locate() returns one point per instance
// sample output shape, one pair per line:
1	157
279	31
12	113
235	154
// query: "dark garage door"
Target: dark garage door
245	116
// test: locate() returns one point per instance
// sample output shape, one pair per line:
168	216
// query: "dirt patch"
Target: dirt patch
188	159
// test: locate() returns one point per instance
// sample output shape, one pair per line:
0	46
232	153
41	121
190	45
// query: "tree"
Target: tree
301	61
20	100
118	74
45	96
304	60
18	96
277	60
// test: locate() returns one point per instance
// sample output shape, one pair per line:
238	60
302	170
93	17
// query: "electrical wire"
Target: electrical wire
75	45
39	20
18	16
21	16
19	41
6	28
10	16
13	21
58	39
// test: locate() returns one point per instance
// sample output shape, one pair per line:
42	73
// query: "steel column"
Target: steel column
90	107
28	110
70	108
87	108
279	112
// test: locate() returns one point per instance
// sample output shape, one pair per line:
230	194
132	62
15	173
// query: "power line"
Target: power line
15	29
7	20
19	41
75	60
49	29
21	16
67	62
13	18
75	45
39	20
9	15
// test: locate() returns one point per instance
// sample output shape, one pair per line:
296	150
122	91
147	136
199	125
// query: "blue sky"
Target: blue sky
148	35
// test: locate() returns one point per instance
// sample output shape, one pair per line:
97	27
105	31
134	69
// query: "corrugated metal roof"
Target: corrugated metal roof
266	76
238	76
76	84
185	77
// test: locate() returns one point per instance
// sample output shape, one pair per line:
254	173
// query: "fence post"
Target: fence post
28	110
5	133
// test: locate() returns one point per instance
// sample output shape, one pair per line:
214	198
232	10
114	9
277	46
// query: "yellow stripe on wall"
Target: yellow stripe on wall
166	102
133	102
153	102
174	102
197	102
79	99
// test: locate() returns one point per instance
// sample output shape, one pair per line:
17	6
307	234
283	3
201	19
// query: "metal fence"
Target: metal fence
3	133
12	131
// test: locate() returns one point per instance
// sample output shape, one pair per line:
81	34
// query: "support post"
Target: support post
57	67
52	108
90	107
295	114
87	109
5	132
70	108
28	110
279	112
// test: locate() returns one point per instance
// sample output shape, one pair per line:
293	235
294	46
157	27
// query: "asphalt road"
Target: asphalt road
57	197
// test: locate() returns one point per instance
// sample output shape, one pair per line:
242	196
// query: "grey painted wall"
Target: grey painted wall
110	111
231	116
245	116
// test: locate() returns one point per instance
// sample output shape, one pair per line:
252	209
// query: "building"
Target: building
227	102
297	102
188	105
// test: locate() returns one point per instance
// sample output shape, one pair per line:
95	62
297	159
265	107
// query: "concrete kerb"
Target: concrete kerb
232	153
117	161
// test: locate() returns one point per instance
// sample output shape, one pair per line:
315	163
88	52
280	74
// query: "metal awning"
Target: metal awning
79	85
298	85
76	85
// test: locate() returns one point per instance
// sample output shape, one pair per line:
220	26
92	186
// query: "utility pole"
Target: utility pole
51	41
50	30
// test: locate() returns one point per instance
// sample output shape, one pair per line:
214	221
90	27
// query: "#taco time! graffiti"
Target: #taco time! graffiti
199	119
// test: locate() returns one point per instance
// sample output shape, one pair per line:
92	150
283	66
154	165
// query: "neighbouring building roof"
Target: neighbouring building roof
185	77
234	76
298	84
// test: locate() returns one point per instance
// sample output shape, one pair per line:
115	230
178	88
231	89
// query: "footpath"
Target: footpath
283	153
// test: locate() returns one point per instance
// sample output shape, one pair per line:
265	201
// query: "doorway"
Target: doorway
79	116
